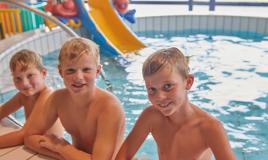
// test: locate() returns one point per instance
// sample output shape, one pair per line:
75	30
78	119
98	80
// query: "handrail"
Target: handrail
14	121
63	26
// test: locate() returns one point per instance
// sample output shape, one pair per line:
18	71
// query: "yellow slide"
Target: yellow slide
112	27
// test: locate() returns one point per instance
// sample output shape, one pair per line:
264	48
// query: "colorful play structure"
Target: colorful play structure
104	20
17	20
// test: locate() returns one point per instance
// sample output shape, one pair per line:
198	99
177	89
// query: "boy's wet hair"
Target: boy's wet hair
170	57
76	47
25	59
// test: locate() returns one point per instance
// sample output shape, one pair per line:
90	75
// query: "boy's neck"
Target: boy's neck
183	114
84	100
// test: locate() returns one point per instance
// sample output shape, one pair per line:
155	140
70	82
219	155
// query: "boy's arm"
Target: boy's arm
110	132
12	139
136	137
40	120
65	150
217	140
16	137
110	128
10	106
34	142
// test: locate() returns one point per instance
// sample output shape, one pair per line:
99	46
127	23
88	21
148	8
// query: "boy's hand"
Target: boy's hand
53	143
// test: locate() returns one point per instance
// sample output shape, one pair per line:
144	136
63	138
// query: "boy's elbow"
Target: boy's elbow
27	141
31	143
26	138
20	133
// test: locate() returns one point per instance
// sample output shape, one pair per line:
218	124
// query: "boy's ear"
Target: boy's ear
44	72
60	70
99	68
189	81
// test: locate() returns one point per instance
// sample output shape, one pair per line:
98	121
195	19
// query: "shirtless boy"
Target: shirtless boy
181	130
92	116
28	74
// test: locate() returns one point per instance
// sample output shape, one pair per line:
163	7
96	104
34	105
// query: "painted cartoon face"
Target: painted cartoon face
29	82
121	5
167	90
79	75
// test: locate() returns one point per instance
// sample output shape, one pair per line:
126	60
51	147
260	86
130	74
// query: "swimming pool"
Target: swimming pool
231	76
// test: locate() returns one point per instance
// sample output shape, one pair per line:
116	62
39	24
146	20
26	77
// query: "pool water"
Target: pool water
231	77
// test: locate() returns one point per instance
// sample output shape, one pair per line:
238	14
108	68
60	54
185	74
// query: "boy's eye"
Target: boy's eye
17	79
151	90
69	71
29	75
167	87
87	69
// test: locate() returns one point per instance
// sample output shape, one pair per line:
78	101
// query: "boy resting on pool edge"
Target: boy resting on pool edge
181	130
28	73
92	116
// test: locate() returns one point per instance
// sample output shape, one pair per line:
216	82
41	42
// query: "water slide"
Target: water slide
107	28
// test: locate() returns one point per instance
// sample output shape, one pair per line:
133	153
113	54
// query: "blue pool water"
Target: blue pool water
231	77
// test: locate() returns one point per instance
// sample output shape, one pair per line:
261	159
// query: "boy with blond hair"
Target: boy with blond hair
92	116
28	74
181	130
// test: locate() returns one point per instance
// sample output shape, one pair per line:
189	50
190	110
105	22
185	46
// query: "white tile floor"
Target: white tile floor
18	152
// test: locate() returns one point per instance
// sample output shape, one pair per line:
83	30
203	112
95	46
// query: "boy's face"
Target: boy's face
167	90
29	82
79	75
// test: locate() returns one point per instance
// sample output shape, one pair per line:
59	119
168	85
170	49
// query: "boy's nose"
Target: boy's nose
25	82
160	96
78	75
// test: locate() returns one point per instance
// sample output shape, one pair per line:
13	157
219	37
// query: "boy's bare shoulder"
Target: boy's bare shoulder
60	92
151	111
106	98
208	124
59	95
106	101
152	115
45	93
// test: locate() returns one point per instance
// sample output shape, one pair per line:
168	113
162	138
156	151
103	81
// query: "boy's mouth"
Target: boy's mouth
164	105
26	89
78	85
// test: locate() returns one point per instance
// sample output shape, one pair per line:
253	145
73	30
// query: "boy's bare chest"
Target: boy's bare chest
81	126
179	143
